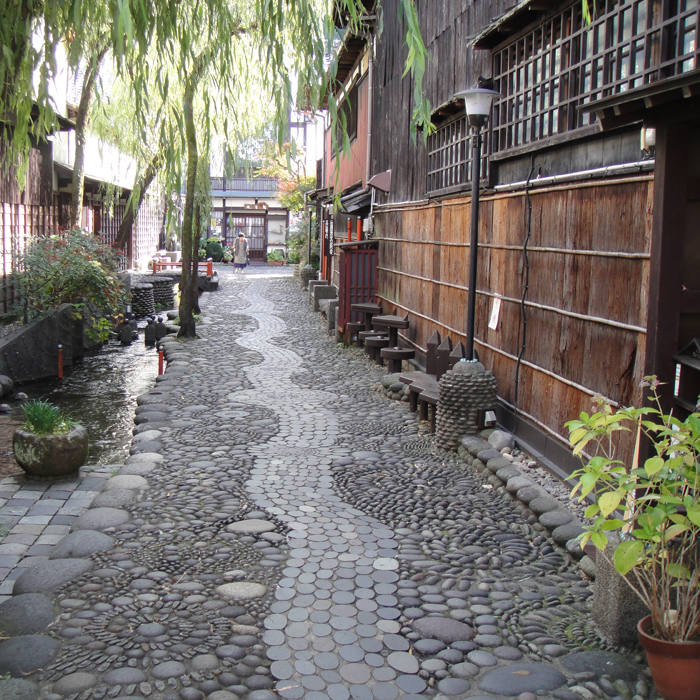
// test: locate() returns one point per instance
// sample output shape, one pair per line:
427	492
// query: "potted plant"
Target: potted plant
275	257
655	508
49	443
228	254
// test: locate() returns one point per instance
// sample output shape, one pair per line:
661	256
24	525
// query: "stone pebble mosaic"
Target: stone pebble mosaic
282	529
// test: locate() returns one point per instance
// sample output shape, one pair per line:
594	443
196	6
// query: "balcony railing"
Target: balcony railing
241	184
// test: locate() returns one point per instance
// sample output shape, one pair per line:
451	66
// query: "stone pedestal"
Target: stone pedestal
616	608
464	391
306	274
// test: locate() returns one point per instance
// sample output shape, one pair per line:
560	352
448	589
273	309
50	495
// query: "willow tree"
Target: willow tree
232	61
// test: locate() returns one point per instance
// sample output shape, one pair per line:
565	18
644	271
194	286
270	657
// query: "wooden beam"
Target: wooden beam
668	226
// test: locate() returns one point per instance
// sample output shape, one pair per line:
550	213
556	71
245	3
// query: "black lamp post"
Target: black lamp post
478	105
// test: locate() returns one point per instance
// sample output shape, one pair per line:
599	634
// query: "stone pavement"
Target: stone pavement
281	529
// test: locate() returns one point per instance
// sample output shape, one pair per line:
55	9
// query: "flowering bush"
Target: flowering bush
74	268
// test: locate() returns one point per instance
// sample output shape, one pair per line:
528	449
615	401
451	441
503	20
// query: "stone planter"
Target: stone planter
51	455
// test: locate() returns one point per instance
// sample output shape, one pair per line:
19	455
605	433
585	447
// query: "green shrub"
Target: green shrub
75	268
43	418
275	256
214	250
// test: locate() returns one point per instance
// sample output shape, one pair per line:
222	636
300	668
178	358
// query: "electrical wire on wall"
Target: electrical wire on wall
522	330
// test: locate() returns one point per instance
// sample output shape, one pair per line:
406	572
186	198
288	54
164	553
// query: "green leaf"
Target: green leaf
592	510
653	466
609	502
577	434
674	531
599	540
612	525
588	482
693	514
626	555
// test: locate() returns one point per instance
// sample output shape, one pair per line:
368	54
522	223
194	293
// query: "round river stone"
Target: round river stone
241	590
82	543
23	655
49	574
101	519
443	628
251	527
521	678
26	614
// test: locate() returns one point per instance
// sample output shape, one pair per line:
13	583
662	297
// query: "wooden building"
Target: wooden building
249	205
588	242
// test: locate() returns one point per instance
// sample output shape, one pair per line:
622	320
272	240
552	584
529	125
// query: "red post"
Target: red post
349	230
60	361
359	229
160	360
210	268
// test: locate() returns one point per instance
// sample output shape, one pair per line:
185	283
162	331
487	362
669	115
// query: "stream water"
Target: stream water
100	393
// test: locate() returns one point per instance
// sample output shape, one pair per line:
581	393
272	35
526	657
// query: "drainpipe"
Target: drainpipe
368	167
370	91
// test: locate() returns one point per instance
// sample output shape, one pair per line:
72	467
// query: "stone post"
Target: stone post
616	608
463	392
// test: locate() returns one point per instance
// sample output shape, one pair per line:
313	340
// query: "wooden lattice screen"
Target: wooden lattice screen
546	73
449	156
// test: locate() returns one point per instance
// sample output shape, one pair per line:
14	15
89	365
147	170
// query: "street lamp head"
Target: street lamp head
478	102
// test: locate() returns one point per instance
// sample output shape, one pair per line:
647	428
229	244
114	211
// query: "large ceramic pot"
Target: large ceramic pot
51	455
674	666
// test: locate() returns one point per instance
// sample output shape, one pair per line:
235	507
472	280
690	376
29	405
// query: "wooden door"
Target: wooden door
254	227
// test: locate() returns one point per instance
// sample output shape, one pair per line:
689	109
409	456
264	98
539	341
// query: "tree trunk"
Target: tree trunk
132	208
81	125
189	256
194	282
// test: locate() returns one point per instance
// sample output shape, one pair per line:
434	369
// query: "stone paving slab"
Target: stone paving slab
300	536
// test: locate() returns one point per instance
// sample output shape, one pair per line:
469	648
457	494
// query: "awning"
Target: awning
512	21
319	195
357	203
672	99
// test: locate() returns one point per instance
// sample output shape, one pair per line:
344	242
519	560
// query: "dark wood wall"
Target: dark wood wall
586	303
446	26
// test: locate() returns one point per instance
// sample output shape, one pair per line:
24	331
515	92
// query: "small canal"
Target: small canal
100	393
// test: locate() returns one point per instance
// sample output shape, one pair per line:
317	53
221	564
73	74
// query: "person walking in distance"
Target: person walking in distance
240	253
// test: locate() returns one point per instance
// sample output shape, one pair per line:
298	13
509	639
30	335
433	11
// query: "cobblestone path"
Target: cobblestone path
281	529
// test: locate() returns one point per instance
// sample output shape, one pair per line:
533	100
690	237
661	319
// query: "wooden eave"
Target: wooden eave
62	124
518	17
341	19
672	99
348	55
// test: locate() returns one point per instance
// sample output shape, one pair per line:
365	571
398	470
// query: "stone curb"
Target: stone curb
549	513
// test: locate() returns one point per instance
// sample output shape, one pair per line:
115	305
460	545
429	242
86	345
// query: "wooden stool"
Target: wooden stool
362	337
354	327
396	356
373	345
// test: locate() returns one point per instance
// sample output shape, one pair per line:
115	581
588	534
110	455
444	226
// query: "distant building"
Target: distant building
249	204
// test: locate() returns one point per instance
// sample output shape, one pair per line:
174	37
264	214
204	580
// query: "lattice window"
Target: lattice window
546	73
450	156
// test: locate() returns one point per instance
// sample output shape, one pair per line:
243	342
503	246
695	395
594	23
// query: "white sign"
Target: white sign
495	313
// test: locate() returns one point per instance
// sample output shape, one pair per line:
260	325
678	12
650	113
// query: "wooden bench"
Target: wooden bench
423	387
162	264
